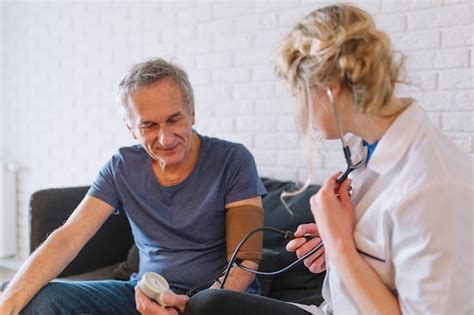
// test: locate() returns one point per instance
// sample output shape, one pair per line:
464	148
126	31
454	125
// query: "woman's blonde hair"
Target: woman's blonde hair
338	44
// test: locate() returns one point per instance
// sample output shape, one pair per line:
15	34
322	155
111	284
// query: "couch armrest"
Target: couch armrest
50	208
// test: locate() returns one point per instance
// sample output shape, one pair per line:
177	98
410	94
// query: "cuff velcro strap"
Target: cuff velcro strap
240	221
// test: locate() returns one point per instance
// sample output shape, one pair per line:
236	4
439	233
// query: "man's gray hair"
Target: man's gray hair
150	72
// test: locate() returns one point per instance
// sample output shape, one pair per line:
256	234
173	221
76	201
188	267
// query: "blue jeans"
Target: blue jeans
91	297
84	297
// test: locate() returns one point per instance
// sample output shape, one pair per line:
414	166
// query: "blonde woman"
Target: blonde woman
397	233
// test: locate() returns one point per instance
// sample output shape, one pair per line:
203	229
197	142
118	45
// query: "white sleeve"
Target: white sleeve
432	250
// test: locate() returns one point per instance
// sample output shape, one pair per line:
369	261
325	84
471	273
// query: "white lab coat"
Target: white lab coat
414	209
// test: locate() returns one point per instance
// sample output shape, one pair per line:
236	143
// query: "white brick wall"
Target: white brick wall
2	102
62	60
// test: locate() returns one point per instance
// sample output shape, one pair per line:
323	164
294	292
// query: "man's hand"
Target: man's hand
148	307
316	263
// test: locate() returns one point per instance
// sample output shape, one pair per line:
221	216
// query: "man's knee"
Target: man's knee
49	300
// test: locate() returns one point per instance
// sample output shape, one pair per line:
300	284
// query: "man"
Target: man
189	200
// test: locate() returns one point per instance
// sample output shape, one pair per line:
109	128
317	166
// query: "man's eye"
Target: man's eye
174	120
147	126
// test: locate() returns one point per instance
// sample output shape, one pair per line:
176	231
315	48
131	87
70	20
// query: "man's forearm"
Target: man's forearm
55	254
40	268
239	279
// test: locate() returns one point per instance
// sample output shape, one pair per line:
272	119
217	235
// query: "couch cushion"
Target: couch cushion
270	262
50	208
124	270
297	284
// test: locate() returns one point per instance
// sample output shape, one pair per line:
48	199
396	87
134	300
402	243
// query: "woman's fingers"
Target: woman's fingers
308	246
294	244
304	229
318	266
315	262
309	229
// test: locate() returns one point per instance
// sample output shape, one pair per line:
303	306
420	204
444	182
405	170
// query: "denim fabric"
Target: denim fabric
92	297
84	297
101	297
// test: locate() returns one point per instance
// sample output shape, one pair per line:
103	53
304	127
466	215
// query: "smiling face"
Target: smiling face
157	116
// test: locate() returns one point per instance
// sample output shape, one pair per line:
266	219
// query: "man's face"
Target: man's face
158	118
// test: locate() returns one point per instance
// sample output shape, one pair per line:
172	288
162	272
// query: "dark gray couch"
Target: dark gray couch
105	255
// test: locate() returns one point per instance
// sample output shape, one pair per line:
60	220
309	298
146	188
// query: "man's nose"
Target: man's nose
165	137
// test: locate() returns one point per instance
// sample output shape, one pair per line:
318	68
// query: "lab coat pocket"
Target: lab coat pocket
375	255
369	248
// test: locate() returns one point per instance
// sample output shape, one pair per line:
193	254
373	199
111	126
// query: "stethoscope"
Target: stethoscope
345	148
289	235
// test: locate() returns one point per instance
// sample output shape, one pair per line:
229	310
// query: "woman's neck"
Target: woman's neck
371	127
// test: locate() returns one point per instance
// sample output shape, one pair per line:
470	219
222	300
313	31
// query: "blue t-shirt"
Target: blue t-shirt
370	149
180	230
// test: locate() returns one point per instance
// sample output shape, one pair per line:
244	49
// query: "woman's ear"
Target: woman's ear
336	89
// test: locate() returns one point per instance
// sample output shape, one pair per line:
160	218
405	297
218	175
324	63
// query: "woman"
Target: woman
397	236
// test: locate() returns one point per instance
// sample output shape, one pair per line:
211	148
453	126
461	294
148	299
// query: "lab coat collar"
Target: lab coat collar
392	146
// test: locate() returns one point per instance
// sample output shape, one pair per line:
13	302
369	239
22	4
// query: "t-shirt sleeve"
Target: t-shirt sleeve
104	187
241	179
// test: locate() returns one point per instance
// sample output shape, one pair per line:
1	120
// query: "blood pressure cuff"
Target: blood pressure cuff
239	222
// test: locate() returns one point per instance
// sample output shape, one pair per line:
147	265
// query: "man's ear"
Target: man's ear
130	129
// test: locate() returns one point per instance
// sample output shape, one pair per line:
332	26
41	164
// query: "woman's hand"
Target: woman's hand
148	307
315	263
333	212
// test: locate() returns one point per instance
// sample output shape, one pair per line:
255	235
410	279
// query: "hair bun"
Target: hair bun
341	43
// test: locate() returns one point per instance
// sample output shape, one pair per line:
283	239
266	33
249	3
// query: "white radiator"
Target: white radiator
7	210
